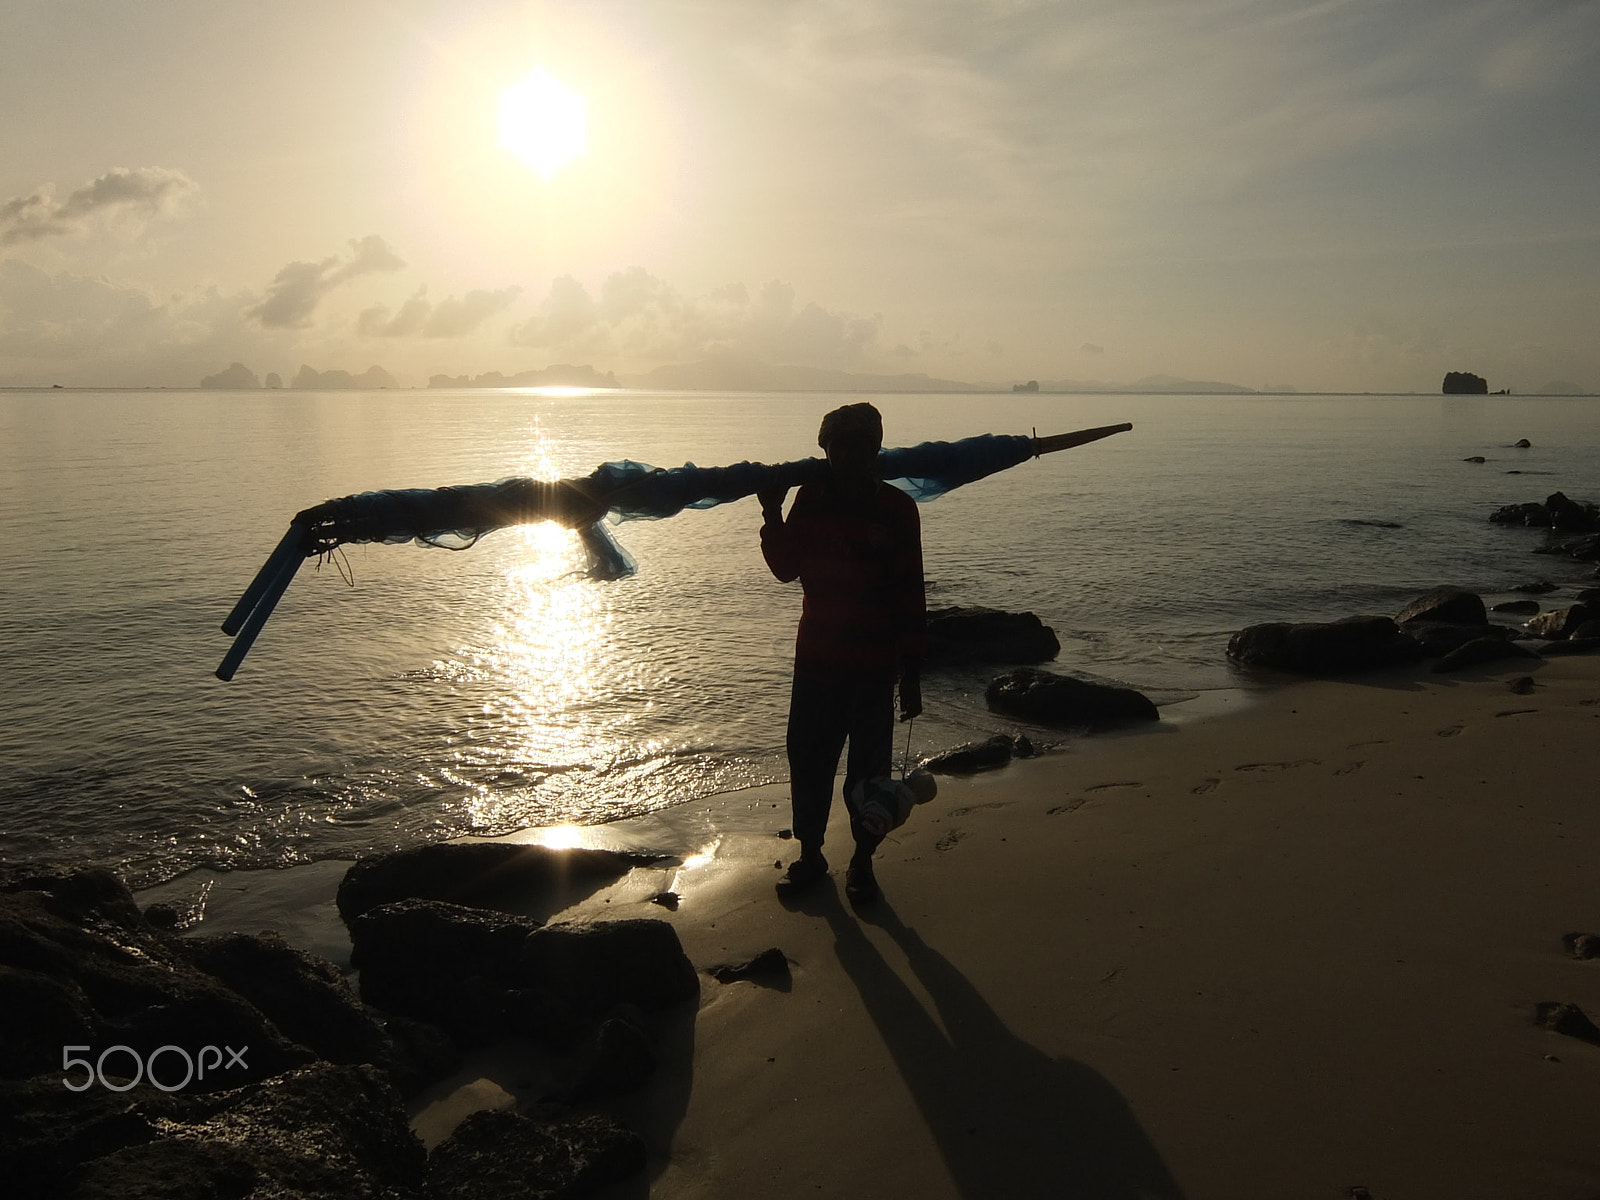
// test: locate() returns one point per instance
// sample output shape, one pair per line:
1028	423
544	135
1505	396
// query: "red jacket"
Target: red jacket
860	563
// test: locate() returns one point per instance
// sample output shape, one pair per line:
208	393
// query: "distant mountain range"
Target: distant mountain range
748	375
743	375
711	375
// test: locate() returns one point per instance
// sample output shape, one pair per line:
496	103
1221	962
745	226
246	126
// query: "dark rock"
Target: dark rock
1022	747
1588	596
1516	606
1522	685
1476	458
667	900
421	1053
1481	650
447	964
325	1131
599	965
617	1059
988	635
48	1132
1451	606
1584	549
1538	587
1522	444
1437	639
1464	383
770	965
499	875
973	757
1589	630
1532	514
164	916
508	1156
80	966
1324	648
1560	622
1566	1018
304	996
1045	698
1557	512
1582	945
481	975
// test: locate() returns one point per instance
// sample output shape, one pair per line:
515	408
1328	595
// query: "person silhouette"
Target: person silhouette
855	544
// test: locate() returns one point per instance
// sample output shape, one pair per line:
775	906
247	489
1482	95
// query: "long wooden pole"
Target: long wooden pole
1065	441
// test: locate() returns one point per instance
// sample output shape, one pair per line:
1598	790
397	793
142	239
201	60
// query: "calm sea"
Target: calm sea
492	689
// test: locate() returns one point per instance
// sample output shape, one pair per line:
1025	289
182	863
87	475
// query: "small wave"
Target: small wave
1368	523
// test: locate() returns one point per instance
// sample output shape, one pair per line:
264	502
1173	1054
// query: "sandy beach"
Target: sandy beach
1291	948
1288	952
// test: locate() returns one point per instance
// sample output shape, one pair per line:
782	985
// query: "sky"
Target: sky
1332	195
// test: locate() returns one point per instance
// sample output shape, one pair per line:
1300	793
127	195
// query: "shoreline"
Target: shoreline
1290	950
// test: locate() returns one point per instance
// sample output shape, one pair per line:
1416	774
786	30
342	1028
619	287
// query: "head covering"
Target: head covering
853	420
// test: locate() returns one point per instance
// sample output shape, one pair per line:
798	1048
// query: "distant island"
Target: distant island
1465	383
238	377
560	375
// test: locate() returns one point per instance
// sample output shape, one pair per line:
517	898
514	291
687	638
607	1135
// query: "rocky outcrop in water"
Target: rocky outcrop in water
987	635
1464	383
973	757
1451	606
1046	698
500	875
1556	512
1324	648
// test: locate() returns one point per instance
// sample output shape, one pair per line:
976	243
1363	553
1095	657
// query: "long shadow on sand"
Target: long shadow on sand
1009	1120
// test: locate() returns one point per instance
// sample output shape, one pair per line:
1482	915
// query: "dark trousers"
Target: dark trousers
822	717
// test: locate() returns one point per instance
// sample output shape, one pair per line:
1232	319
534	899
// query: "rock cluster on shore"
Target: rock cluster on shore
304	1094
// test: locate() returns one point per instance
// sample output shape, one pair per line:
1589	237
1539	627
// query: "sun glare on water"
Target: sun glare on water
543	122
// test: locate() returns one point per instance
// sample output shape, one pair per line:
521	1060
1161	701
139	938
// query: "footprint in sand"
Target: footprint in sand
965	809
1100	787
1277	766
1449	731
1516	712
1348	768
1373	742
949	840
1058	809
1209	785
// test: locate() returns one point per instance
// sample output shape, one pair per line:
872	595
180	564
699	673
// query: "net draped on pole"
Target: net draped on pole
456	517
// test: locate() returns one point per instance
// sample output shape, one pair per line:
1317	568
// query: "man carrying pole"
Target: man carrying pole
855	544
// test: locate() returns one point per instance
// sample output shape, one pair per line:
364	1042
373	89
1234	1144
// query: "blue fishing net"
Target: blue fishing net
454	518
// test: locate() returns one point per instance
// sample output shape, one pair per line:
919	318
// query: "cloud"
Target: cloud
638	317
137	194
297	289
89	330
450	318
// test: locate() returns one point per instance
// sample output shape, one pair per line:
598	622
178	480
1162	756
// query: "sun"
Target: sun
543	122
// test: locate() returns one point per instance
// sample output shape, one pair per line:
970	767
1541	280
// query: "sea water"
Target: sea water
401	695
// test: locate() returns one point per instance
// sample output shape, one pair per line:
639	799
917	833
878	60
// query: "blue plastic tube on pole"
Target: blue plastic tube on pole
291	546
267	600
